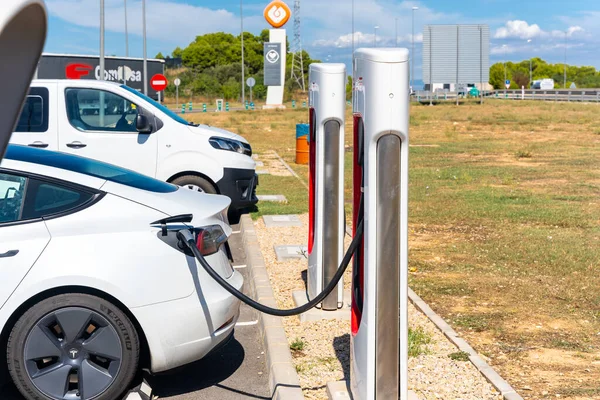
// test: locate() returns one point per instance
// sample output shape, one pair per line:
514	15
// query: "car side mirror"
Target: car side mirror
142	124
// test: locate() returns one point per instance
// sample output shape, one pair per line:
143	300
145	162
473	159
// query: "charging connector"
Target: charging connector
187	237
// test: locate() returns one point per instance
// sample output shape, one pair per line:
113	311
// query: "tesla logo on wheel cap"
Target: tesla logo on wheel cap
73	353
277	13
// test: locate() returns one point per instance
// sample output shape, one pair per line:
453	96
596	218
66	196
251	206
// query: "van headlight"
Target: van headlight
221	143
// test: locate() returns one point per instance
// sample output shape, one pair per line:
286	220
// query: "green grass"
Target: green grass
459	356
297	345
418	340
504	218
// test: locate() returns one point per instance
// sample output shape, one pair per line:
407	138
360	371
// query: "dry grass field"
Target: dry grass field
504	228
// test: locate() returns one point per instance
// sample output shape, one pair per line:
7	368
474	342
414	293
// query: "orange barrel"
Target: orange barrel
302	149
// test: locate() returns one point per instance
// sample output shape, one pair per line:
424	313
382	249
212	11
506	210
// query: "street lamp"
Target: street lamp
412	51
396	31
375	39
126	35
505	78
101	41
242	37
530	69
565	77
144	46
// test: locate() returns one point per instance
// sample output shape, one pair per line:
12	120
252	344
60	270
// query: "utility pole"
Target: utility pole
505	78
242	37
565	77
396	31
375	38
101	40
530	69
144	45
412	51
126	35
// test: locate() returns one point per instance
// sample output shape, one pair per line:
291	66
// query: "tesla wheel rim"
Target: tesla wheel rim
72	353
195	188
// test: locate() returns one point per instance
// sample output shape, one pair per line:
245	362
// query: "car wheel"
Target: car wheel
196	183
73	346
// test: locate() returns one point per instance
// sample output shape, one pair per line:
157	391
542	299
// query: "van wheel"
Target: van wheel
73	346
196	183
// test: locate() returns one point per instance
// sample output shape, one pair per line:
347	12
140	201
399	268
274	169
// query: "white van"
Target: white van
117	124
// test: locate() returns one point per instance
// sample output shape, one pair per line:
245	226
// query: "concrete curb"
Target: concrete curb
507	391
283	378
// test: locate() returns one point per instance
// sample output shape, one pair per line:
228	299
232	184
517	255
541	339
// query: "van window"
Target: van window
156	104
99	110
34	115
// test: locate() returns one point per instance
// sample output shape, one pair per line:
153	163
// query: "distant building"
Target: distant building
456	56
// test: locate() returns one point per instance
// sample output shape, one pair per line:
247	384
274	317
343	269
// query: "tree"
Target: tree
521	79
177	52
159	56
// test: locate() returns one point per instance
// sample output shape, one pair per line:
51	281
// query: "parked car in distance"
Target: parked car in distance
94	283
116	124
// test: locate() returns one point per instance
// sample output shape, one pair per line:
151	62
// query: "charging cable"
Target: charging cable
187	237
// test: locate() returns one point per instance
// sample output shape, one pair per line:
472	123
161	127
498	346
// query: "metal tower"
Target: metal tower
297	64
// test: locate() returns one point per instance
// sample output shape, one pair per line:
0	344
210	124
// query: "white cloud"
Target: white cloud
360	38
166	20
518	29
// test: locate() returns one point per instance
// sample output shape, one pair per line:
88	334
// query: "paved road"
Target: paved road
236	371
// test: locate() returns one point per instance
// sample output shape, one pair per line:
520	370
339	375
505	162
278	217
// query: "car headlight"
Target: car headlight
221	143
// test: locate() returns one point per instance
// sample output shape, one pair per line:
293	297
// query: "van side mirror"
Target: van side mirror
142	124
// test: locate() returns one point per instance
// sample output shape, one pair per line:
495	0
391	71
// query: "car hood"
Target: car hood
208	209
212	131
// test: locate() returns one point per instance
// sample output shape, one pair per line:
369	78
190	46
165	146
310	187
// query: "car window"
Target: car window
12	190
34	115
100	110
45	199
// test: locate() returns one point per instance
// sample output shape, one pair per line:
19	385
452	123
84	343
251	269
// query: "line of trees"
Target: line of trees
211	66
518	74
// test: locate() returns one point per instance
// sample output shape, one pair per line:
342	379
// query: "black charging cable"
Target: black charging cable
187	237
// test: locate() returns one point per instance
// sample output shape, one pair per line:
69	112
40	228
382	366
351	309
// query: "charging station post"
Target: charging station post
327	100
379	321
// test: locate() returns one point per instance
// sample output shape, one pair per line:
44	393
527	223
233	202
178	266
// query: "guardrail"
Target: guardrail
575	95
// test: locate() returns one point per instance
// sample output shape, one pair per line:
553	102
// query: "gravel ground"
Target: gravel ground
323	346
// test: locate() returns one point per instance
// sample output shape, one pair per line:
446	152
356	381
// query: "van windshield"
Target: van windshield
156	104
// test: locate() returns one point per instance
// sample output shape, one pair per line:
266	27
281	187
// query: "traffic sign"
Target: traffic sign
158	82
507	83
277	13
251	82
177	82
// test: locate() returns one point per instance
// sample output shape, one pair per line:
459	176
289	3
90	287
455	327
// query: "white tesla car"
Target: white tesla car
93	281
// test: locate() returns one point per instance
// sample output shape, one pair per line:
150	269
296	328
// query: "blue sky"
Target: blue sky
327	25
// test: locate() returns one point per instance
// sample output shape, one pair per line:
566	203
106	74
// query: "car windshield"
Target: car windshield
88	167
156	104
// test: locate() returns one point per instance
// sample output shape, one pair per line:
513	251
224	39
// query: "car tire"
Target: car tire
73	343
194	182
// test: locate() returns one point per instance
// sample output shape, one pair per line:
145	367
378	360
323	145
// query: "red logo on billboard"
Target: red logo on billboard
76	71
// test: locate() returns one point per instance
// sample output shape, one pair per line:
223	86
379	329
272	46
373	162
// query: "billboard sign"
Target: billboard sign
277	13
124	70
272	52
456	54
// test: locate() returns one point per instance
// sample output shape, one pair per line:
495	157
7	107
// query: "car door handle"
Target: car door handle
76	145
41	145
10	253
